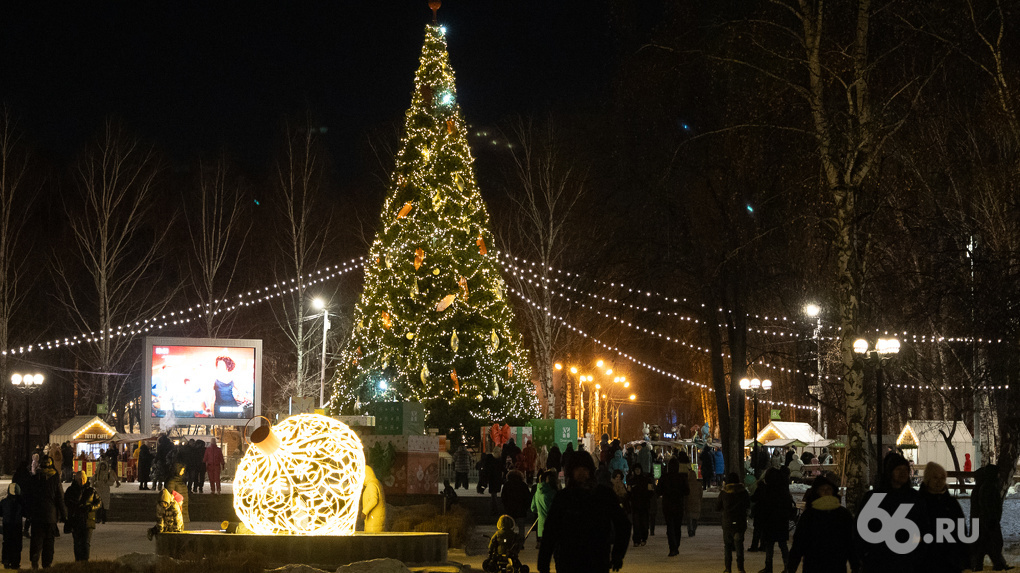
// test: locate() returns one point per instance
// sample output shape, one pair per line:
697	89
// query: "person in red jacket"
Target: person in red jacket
213	459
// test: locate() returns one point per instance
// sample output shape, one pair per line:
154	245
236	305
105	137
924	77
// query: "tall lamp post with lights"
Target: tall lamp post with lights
814	311
320	304
884	349
27	384
754	386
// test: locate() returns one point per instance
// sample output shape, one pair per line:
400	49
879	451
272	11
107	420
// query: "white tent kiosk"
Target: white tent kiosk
787	433
922	442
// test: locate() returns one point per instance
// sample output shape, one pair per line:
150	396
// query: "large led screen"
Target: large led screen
198	381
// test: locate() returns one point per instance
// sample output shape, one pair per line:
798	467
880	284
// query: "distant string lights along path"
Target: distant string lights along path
641	363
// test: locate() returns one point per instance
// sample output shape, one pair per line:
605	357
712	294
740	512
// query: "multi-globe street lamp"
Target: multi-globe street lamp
27	384
884	349
753	386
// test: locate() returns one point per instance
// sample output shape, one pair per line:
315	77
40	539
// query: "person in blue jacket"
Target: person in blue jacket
619	463
720	465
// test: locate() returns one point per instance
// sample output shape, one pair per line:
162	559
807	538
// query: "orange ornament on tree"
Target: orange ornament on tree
481	244
386	322
447	301
449	126
510	369
456	383
405	209
419	256
463	288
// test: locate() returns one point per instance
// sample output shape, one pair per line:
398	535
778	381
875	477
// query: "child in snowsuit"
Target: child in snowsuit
12	508
169	518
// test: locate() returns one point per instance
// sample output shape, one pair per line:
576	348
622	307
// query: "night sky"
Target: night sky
195	77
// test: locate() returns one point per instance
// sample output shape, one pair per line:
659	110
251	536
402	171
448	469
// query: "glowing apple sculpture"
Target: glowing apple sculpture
301	477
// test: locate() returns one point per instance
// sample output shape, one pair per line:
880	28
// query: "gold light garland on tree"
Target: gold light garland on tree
442	279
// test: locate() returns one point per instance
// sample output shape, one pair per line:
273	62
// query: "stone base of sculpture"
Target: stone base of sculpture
326	552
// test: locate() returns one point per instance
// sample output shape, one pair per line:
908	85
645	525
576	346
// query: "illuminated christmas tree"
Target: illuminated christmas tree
434	324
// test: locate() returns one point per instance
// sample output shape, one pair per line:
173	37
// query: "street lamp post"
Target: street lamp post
27	383
754	386
814	311
321	305
885	348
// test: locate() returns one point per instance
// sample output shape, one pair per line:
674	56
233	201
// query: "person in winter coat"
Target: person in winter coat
178	483
66	469
508	459
168	514
494	480
776	507
603	476
57	453
733	503
212	457
986	507
45	510
82	503
541	462
951	557
692	509
805	458
642	488
604	455
586	530
568	453
825	458
707	461
516	496
144	466
461	467
776	461
545	493
160	469
12	508
618	463
555	459
719	466
674	489
796	468
529	457
824	535
621	490
876	556
198	475
644	458
504	547
101	482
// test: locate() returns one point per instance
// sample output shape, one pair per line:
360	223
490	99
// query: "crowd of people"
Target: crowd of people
36	502
611	499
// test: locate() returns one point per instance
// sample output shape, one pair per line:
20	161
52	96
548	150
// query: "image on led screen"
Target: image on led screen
203	382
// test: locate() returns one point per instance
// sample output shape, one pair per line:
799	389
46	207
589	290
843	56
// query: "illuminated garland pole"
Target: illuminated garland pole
433	324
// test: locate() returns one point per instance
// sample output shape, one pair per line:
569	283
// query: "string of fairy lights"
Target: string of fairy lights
639	362
652	332
535	267
543	282
194	312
